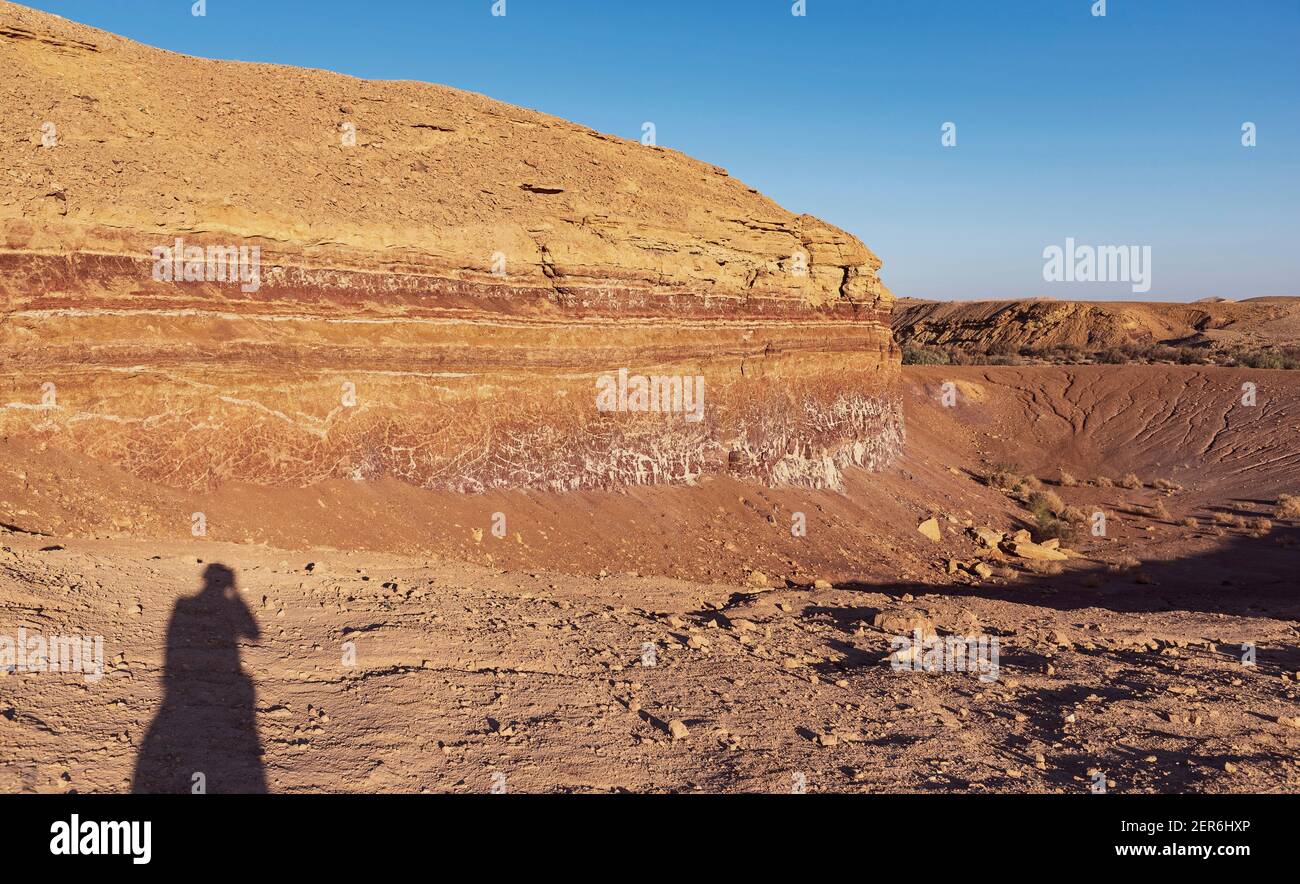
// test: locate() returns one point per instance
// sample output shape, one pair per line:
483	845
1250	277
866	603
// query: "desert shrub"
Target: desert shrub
1005	360
1074	515
1288	507
1158	511
1161	353
1130	481
1059	353
1223	518
1111	356
1069	525
1067	480
1029	484
1240	522
1003	477
1104	482
1127	563
1190	522
921	356
1045	503
1262	525
1166	485
1284	358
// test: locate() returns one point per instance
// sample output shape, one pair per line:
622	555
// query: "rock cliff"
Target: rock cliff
215	271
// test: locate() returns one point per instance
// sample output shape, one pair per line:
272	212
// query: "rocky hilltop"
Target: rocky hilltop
1256	330
215	271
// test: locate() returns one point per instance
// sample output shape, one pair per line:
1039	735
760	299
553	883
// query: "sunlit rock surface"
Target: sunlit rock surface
442	285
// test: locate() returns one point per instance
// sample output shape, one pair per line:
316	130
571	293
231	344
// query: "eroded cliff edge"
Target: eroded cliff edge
442	281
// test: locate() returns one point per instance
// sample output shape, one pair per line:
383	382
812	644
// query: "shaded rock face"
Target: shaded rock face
213	271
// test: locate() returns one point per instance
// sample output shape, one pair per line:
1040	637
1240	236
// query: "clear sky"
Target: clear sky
1116	130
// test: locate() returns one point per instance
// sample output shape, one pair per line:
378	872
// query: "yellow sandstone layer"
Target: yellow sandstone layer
434	286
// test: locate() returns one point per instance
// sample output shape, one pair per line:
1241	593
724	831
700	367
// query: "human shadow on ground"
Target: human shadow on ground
204	737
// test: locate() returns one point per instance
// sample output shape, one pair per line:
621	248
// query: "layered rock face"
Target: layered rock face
215	271
1002	327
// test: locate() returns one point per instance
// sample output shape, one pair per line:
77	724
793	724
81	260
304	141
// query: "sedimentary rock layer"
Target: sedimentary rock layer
1005	327
422	283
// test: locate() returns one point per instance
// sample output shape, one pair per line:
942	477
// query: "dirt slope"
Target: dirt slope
1124	661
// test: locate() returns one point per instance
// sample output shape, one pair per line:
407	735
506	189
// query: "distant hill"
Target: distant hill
1262	332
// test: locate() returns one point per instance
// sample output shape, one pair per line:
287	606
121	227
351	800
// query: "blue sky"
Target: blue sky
1122	130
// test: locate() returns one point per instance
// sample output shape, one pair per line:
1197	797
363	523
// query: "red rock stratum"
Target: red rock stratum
432	286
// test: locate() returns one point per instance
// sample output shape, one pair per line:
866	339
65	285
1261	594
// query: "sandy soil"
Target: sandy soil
388	641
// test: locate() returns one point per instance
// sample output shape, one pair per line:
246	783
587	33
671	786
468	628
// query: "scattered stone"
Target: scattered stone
930	528
1026	549
1060	638
677	730
903	622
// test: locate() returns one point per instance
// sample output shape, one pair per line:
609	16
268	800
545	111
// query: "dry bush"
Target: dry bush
1067	480
1239	522
1074	514
1262	525
1130	481
1127	563
1042	503
1069	525
1029	484
1166	485
1046	569
1158	511
1104	482
1223	518
1003	478
1189	522
1288	507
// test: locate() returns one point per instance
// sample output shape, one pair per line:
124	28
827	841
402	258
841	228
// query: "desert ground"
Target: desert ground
297	421
396	644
